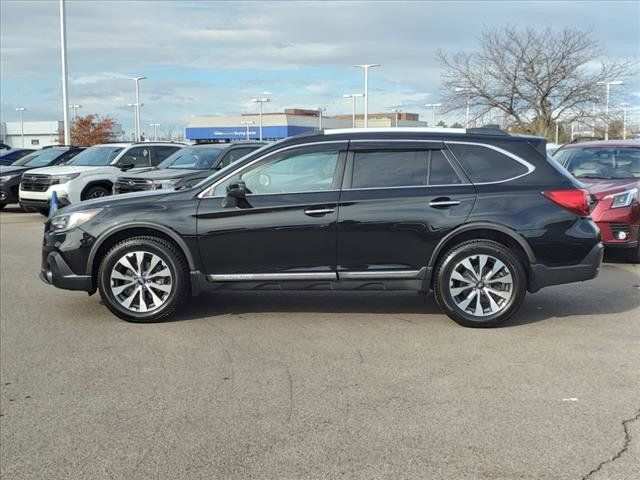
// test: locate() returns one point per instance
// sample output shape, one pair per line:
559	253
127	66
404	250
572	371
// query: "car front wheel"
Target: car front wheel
143	279
480	283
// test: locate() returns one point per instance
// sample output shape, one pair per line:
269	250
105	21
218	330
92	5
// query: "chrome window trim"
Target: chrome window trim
382	274
205	192
249	277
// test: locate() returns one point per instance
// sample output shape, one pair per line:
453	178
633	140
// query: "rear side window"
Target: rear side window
389	169
483	164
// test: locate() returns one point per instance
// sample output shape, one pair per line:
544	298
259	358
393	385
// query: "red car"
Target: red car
610	171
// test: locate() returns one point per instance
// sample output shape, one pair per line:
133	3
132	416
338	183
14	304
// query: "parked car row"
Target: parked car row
478	217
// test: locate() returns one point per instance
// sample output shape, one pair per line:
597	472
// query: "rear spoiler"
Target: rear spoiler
540	144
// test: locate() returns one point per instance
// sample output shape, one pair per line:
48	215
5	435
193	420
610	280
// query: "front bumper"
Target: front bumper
56	272
43	204
64	260
541	276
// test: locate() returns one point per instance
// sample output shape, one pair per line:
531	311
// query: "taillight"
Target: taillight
575	200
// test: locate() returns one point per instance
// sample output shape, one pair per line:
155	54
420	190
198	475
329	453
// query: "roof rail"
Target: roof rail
336	131
491	129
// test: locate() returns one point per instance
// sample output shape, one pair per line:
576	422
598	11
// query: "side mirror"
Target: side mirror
237	190
126	166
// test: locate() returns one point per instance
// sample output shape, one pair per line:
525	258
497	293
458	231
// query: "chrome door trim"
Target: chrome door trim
250	277
444	203
318	211
382	274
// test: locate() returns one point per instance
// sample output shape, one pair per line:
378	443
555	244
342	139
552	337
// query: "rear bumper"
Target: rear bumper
541	276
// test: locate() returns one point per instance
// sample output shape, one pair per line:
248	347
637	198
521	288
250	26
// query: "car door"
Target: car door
286	229
136	158
398	200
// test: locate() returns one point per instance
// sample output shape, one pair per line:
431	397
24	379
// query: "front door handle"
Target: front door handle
443	202
318	212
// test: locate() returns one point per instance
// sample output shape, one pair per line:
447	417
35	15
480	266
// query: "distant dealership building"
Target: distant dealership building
36	134
292	121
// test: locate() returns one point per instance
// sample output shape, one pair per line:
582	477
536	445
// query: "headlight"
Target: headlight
6	178
75	219
56	179
166	183
623	199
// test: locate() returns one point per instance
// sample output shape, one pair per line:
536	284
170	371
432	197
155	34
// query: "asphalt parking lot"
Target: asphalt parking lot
315	385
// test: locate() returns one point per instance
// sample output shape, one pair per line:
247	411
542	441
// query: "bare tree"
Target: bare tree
533	78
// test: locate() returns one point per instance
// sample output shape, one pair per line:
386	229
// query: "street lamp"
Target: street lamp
155	130
366	67
64	74
21	111
397	111
135	125
261	101
247	123
606	111
75	111
624	106
468	92
137	106
353	97
320	111
433	107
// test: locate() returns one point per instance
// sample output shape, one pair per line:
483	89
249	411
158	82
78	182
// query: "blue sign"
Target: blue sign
240	133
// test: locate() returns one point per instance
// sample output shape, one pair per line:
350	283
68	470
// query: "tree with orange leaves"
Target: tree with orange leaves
91	130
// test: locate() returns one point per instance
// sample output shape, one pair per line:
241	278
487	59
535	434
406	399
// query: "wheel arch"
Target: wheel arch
108	184
480	230
121	232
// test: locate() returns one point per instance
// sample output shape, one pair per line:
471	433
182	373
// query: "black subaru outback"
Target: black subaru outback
477	216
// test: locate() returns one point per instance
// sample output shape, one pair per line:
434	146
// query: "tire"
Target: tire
2	205
96	191
43	211
634	255
164	290
456	288
28	209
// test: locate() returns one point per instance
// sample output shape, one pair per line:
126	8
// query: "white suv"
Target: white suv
91	173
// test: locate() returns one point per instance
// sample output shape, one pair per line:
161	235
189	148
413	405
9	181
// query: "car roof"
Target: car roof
603	144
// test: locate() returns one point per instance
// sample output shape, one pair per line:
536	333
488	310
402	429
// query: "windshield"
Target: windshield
41	158
96	156
200	158
601	162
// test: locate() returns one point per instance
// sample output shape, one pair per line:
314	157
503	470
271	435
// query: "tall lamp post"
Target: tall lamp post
135	123
137	105
75	111
261	101
468	92
353	97
155	130
433	107
624	106
366	67
21	110
247	123
63	63
397	111
321	110
606	111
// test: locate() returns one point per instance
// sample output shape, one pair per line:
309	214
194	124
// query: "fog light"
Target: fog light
622	235
3	196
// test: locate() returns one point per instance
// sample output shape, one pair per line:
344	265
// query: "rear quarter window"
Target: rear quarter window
483	164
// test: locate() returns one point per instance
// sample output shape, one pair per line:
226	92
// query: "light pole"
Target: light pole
557	130
135	125
261	101
366	67
75	111
21	111
397	111
63	63
624	106
155	130
247	123
468	92
353	97
137	106
606	111
320	112
433	107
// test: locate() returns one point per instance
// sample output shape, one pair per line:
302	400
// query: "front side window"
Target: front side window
483	164
600	162
162	152
196	158
136	156
287	172
96	156
234	155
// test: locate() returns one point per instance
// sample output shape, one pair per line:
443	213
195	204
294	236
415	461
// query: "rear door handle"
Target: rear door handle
443	202
318	212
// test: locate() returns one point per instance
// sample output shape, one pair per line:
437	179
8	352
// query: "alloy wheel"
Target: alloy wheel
141	281
481	285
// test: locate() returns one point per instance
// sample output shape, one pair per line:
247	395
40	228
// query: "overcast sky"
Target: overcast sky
213	57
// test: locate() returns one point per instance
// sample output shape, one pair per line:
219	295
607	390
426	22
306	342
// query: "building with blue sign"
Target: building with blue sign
280	125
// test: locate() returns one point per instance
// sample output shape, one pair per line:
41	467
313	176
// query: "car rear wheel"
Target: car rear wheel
480	283
143	279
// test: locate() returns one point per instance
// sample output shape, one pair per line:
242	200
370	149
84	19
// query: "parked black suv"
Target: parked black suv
477	216
11	175
187	166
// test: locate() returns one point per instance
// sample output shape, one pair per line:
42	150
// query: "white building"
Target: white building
36	134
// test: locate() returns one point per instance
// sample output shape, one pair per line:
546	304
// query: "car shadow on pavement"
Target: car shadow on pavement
597	297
